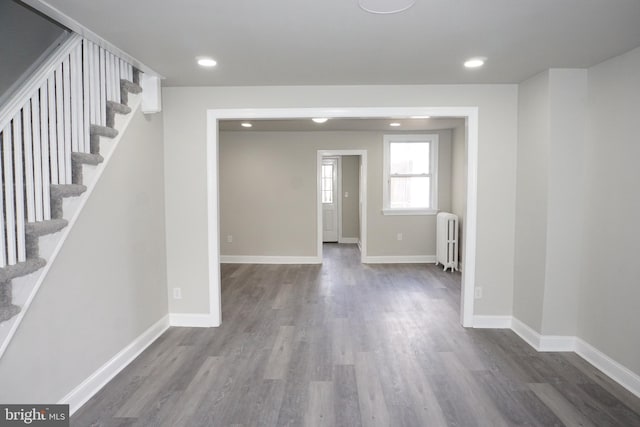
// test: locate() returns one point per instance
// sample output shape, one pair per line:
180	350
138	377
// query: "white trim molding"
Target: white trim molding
491	322
193	320
432	140
525	332
471	114
400	259
94	383
542	342
349	240
263	259
614	370
558	343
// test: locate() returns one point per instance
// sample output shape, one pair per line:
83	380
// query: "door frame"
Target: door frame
214	317
362	196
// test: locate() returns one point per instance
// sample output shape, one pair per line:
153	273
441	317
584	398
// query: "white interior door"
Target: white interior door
330	199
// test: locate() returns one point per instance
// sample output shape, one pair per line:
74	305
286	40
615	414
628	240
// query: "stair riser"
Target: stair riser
76	173
32	244
5	293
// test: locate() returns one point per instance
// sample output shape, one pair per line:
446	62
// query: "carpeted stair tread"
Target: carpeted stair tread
87	158
130	86
58	191
105	131
8	311
114	108
127	87
42	228
20	269
118	108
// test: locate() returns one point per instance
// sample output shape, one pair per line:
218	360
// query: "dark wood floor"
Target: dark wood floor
345	344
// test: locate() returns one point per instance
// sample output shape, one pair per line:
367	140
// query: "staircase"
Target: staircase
50	137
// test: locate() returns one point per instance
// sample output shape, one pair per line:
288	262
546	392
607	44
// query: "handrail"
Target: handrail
32	83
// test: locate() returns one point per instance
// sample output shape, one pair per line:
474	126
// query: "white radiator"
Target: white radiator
447	240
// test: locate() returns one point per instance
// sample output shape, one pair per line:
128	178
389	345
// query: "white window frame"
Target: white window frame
432	139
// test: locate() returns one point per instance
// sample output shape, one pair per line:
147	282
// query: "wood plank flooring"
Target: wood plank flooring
345	344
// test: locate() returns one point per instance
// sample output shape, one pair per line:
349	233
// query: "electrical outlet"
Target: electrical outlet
399	236
229	238
346	194
478	292
177	293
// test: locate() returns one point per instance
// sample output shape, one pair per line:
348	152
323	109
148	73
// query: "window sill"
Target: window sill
415	212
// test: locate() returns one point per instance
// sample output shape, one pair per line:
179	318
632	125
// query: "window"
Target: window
327	183
410	174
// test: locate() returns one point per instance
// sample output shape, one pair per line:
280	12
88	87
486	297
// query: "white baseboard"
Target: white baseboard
349	240
557	343
525	332
400	259
492	322
192	320
260	259
89	387
542	342
614	370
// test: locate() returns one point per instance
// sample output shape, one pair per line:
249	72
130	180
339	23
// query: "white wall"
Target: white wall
577	238
609	299
549	200
268	194
567	100
531	200
185	167
108	283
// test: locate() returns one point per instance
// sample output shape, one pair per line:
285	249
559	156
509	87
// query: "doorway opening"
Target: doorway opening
469	114
342	198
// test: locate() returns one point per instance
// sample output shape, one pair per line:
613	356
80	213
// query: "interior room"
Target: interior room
331	213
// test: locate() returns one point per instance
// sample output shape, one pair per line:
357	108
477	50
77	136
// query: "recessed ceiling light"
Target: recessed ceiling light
320	119
420	117
246	125
206	62
394	124
474	62
385	6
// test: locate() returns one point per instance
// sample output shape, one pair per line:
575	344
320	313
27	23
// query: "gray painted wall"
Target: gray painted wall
609	298
350	205
268	194
576	237
459	183
549	200
531	200
24	36
108	283
186	173
567	101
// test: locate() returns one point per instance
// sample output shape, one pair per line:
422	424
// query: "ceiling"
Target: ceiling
317	42
306	125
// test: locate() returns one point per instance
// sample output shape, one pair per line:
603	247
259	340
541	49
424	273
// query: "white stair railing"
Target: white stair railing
42	124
